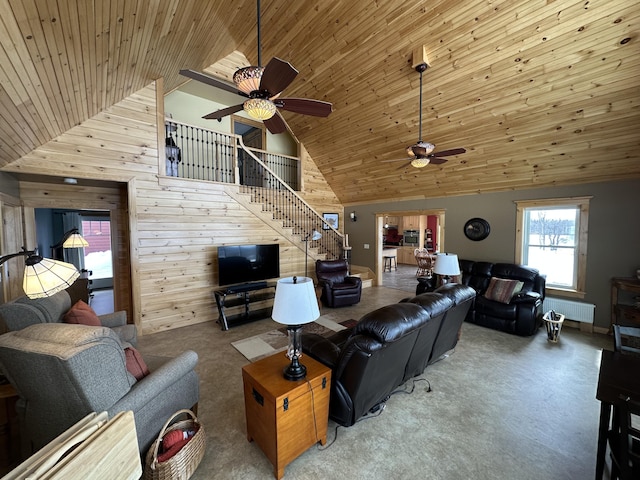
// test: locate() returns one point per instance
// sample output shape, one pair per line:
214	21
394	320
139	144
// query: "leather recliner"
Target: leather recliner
522	315
369	361
339	289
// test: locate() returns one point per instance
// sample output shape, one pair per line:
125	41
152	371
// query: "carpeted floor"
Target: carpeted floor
501	407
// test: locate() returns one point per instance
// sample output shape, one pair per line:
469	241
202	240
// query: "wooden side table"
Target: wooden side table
620	310
285	417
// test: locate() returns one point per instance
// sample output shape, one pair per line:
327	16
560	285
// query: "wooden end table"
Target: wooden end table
286	417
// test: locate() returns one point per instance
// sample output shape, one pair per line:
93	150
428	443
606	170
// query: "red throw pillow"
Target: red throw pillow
82	314
135	363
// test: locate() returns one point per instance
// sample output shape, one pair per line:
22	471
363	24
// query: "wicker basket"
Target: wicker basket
182	465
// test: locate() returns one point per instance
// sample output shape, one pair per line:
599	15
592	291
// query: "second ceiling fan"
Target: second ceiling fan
420	154
263	86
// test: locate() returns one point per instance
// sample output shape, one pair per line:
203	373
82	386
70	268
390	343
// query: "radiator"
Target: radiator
577	311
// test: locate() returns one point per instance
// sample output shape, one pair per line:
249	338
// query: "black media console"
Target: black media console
241	297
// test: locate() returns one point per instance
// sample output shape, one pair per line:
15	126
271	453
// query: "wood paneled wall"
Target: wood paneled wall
168	228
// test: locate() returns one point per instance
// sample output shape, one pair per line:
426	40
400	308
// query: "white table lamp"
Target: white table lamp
294	305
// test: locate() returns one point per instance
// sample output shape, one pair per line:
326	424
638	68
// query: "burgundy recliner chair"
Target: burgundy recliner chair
339	289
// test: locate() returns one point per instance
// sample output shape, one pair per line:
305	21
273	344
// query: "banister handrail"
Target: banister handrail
283	183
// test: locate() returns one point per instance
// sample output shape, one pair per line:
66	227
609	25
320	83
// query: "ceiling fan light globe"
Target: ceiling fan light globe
248	79
259	108
419	162
410	151
429	147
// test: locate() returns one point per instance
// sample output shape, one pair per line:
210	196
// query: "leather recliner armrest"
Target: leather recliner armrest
321	349
353	280
526	297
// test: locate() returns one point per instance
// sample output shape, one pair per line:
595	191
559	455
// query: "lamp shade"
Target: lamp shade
447	264
75	240
260	108
295	302
43	277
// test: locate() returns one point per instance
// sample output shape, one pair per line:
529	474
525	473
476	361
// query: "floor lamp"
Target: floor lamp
42	276
315	235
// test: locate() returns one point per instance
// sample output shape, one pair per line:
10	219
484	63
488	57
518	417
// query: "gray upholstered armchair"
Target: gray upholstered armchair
63	372
25	311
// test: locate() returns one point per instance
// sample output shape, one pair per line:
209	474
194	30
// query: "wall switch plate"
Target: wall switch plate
366	246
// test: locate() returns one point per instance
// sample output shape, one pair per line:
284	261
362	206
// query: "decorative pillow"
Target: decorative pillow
83	314
135	363
500	289
518	289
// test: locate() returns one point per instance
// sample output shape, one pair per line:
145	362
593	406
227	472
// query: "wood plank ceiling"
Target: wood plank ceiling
539	92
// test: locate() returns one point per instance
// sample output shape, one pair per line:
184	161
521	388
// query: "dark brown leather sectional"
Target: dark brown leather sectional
388	347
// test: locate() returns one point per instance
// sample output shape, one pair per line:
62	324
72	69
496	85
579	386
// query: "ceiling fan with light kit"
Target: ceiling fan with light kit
263	86
421	154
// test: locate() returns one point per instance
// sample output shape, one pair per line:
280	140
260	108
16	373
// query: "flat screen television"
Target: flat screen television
248	263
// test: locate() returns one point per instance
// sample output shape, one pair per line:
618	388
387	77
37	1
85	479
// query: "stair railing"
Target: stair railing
277	197
271	179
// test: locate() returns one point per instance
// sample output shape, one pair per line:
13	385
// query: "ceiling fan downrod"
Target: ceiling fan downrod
258	20
421	67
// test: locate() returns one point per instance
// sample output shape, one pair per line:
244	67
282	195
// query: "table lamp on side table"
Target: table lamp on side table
446	266
294	305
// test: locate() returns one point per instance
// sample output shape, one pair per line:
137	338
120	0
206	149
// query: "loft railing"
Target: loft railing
271	179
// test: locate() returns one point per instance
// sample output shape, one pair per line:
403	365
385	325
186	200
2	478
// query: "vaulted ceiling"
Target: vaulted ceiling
539	92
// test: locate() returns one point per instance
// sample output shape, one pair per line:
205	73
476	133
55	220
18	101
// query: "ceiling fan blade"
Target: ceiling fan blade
214	82
277	76
405	159
305	106
223	113
275	124
454	151
437	161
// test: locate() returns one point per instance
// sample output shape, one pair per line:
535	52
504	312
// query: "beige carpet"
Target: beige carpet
264	344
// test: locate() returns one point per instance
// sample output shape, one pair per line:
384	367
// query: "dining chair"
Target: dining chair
624	440
626	338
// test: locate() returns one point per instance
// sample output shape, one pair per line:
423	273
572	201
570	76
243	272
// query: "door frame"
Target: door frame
380	216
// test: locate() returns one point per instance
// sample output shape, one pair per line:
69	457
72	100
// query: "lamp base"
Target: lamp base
295	370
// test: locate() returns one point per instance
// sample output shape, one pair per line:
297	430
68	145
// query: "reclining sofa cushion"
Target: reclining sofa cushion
436	306
462	297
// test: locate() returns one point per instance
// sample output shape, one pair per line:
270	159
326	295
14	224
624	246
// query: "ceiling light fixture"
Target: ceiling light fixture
247	79
260	108
419	162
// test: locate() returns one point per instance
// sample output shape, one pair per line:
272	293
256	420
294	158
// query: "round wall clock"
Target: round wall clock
477	229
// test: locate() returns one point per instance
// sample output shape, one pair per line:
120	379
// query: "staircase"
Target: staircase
193	152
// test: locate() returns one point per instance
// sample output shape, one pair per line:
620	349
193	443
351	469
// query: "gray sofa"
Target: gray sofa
25	311
62	372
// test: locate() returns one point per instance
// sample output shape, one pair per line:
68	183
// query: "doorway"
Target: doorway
428	226
95	261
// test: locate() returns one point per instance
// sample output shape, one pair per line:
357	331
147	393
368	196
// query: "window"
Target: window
552	237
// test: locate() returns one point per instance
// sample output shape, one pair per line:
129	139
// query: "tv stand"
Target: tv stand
239	299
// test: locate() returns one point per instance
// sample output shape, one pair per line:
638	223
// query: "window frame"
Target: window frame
581	203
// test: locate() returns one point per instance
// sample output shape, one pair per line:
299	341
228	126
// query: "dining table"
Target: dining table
619	378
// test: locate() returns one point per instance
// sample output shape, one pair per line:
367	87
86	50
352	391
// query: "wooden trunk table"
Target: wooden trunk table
285	417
